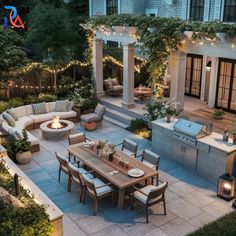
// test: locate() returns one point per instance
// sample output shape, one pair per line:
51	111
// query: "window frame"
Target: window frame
196	10
229	6
112	7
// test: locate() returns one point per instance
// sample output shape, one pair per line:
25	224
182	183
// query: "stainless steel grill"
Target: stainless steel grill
188	132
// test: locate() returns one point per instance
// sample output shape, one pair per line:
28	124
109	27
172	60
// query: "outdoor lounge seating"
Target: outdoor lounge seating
28	118
149	196
113	87
129	147
97	189
97	116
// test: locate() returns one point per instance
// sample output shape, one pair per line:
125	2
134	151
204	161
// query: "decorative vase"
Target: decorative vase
168	118
23	157
100	152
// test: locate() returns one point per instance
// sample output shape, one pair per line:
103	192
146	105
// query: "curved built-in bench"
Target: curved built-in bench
26	119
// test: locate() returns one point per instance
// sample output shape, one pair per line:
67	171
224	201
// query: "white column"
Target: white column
177	66
184	9
206	10
128	76
98	67
203	82
213	81
90	8
217	10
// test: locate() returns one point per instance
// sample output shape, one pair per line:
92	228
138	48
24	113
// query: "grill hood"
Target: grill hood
191	129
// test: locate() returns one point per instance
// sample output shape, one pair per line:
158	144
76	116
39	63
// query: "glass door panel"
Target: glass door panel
233	95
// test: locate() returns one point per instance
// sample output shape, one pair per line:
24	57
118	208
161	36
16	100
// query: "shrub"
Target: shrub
15	102
88	104
3	106
140	127
45	97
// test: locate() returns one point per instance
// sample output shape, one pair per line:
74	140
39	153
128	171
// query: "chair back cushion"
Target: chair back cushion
39	108
108	83
99	110
114	81
89	182
63	161
70	105
151	157
156	192
76	138
12	113
130	145
9	119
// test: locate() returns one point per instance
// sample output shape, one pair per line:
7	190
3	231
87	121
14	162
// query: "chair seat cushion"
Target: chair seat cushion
24	121
65	114
90	117
143	198
32	139
149	164
117	88
41	117
103	190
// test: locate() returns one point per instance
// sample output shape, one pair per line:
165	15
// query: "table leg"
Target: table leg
121	199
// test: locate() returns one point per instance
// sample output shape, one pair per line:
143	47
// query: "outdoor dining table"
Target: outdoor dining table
112	171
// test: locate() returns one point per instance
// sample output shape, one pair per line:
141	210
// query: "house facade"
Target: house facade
203	69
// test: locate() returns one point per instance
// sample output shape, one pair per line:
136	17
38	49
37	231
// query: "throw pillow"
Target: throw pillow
108	82
12	113
9	119
39	108
61	106
70	105
115	82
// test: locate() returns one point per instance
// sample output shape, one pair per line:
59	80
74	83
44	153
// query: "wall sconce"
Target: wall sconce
208	66
226	187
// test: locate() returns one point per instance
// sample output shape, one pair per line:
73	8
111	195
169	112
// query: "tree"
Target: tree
51	34
12	54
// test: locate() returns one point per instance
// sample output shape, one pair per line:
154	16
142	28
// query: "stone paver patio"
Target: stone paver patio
191	199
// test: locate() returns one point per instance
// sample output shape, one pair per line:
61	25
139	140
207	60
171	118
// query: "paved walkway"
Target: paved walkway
191	200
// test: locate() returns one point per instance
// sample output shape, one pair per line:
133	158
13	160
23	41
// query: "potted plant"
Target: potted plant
171	110
218	114
100	146
23	147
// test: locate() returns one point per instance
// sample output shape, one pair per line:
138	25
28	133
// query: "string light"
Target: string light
232	46
201	43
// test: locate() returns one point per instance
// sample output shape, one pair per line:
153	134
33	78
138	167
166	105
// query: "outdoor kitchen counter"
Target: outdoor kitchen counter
210	157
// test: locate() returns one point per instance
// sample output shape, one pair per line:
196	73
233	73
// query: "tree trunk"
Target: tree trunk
55	81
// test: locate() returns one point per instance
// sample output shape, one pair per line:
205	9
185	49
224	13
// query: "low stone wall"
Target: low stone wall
55	214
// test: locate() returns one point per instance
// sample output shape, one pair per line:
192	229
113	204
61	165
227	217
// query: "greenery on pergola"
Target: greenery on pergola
160	36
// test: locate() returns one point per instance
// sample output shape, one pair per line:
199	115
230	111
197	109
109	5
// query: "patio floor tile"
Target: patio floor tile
94	224
71	228
114	230
181	188
181	172
183	208
177	227
201	220
156	232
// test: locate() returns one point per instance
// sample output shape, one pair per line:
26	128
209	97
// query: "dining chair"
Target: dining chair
75	175
129	147
150	159
96	189
75	139
62	166
149	196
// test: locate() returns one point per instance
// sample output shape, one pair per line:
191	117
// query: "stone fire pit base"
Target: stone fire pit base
56	134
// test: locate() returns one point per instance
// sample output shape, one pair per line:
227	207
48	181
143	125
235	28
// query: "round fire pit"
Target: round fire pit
50	132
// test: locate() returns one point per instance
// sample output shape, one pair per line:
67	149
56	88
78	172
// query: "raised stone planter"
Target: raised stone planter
54	213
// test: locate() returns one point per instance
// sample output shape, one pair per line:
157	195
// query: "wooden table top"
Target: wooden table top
104	167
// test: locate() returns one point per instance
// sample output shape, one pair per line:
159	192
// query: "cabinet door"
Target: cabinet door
190	156
177	151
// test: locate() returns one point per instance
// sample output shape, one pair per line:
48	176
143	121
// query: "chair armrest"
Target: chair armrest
137	189
108	184
87	139
118	144
140	155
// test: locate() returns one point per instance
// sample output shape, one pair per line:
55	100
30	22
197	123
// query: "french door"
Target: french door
226	85
193	75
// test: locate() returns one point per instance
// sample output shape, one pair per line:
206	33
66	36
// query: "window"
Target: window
112	7
230	11
197	10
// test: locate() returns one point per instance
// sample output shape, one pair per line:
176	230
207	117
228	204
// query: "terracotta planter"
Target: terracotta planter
90	126
168	118
23	157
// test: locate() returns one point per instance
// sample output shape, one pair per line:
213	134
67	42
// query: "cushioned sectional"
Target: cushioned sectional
27	119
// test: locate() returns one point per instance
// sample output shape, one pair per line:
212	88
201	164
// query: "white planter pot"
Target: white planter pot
23	157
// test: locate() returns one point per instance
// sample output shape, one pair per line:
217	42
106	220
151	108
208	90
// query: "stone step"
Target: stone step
122	110
118	116
115	122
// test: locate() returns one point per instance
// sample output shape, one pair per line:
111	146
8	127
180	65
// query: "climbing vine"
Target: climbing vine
159	36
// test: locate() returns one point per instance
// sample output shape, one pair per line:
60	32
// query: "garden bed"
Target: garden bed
38	216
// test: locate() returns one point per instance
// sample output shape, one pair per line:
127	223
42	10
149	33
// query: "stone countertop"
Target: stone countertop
213	140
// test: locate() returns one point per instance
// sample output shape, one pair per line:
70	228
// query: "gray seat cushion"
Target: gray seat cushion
92	117
99	110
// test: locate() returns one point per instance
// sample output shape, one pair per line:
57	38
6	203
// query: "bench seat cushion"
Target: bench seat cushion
41	117
64	114
23	122
92	117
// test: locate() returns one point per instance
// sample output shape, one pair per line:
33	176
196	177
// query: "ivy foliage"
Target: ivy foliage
161	35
